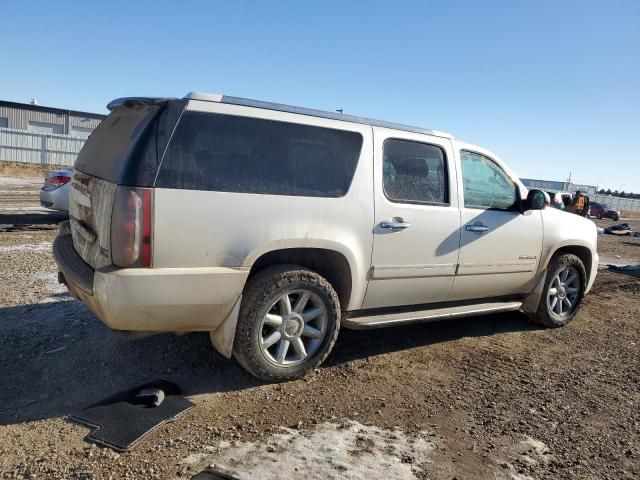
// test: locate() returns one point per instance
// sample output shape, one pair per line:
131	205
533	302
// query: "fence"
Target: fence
619	203
47	149
38	148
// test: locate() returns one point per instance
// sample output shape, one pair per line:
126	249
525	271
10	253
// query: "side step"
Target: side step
419	316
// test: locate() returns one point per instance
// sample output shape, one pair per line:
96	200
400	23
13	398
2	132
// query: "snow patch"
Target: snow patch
22	209
50	280
346	451
27	182
39	247
528	451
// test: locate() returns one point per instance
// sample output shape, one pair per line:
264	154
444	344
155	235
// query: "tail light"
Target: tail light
131	233
58	180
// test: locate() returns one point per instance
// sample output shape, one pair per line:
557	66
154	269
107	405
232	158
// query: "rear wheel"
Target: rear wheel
289	321
563	291
616	218
599	215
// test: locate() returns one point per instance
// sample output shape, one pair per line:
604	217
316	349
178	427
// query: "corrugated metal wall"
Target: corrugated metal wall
39	148
550	185
618	203
19	118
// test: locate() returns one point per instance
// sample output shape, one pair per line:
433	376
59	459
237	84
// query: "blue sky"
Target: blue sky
550	86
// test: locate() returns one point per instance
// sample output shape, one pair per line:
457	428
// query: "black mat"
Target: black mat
121	421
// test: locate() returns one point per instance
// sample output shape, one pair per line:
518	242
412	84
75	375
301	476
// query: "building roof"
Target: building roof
41	108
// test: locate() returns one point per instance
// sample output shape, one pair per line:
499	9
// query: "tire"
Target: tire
616	218
599	216
547	313
315	326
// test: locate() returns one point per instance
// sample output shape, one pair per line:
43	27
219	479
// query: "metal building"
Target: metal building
38	119
553	186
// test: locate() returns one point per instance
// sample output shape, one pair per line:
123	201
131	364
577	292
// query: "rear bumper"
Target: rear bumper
57	199
148	299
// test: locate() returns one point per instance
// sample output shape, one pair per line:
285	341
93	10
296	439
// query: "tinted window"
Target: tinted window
239	154
414	172
107	152
486	185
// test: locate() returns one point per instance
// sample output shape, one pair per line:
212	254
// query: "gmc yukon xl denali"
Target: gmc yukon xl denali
272	227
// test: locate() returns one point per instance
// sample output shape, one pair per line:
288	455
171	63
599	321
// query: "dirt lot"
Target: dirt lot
489	397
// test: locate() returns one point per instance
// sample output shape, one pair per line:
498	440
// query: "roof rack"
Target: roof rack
245	102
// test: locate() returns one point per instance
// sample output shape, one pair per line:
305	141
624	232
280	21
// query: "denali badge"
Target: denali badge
527	257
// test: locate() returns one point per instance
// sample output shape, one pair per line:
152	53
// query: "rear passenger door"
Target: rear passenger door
417	220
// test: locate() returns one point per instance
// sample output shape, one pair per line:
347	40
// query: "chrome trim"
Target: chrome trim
395	224
412	271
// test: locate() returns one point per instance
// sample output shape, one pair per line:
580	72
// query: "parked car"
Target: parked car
560	200
272	227
601	210
55	192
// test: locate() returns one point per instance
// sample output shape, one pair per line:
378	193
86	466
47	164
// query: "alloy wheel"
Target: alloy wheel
564	292
293	328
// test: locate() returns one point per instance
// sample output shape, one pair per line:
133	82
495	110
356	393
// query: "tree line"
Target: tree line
616	193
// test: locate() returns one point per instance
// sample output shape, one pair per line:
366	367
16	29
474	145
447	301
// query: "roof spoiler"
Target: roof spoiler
130	101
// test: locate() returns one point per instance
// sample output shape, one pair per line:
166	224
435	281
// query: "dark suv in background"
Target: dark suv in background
600	210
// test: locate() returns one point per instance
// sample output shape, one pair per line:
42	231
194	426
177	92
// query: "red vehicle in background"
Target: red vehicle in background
601	210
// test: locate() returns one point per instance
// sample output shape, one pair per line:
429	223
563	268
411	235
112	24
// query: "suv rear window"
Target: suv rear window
240	154
105	154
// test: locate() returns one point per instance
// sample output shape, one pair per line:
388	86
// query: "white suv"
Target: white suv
273	226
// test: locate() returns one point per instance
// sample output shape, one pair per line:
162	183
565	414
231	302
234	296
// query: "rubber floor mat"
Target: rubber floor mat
123	420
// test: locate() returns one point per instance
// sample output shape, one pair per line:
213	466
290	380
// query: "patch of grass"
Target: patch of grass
629	214
24	170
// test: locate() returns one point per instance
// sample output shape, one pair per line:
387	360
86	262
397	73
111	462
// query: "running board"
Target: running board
419	316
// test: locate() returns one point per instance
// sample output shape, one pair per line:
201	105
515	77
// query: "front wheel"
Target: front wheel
599	216
288	323
563	291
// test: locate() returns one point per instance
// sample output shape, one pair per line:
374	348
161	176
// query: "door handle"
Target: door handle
476	227
397	223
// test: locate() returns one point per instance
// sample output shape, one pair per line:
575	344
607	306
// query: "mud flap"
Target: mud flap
222	337
531	302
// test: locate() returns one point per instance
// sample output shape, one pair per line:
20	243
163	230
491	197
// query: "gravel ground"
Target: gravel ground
487	397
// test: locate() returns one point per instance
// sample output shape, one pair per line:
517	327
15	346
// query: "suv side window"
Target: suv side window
227	153
414	172
485	184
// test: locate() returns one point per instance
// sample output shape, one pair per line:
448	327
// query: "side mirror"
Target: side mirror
536	200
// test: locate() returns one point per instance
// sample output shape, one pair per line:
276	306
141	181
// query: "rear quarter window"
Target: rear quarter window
241	154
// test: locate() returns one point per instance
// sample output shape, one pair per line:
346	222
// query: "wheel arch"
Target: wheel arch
583	252
331	264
